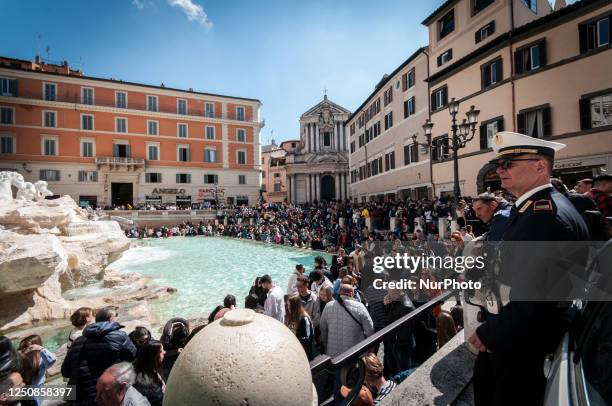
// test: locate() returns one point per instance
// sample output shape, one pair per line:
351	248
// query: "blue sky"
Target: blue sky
284	53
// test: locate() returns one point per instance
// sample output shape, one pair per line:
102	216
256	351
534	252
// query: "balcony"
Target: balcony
120	164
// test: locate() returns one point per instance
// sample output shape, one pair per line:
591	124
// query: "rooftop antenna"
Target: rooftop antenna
48	51
39	40
80	63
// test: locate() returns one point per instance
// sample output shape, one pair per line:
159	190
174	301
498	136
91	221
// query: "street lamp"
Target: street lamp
462	134
216	196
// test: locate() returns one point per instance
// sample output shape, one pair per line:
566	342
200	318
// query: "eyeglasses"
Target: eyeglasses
508	163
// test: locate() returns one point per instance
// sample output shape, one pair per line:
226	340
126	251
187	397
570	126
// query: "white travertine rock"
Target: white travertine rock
222	365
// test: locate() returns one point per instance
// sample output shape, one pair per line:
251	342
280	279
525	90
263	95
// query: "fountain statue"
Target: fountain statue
46	247
222	365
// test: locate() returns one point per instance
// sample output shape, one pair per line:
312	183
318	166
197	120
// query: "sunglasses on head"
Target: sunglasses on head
508	163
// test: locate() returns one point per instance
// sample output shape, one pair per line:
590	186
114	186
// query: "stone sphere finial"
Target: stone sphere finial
245	358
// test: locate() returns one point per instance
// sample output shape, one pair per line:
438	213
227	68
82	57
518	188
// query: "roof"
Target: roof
324	102
129	83
284	142
523	30
437	11
384	81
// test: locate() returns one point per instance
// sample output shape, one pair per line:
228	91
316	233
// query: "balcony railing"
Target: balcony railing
114	160
131	105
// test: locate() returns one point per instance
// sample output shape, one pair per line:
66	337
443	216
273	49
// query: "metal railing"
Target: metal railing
114	160
352	356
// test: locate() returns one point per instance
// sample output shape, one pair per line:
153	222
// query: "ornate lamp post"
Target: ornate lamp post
462	134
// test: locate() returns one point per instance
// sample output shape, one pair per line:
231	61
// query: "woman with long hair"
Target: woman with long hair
38	360
79	319
147	366
174	338
304	330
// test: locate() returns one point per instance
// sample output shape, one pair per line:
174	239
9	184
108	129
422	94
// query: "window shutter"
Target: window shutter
81	176
128	150
57	177
486	76
499	70
450	54
413	109
434	151
546	122
585	114
406	109
115	150
178	178
95	176
500	125
483	136
542	50
415	152
520	123
14	90
478	37
518	62
406	154
444	96
433	101
583	35
188	178
387	163
439	59
491	28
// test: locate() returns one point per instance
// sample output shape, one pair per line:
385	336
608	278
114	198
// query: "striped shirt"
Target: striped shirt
384	391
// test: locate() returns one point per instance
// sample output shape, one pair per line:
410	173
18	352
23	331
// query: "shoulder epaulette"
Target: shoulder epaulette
544	205
525	206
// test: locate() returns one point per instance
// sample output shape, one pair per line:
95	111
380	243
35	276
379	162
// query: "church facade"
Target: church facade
318	170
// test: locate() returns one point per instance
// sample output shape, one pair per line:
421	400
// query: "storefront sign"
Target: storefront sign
159	191
183	199
211	192
566	165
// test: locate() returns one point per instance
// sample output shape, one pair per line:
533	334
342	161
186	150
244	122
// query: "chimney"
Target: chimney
37	60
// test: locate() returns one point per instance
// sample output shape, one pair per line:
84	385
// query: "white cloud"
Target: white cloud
138	3
194	12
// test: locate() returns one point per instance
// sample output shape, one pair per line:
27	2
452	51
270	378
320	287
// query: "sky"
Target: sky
285	53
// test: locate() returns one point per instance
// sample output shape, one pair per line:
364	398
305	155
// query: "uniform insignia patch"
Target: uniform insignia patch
525	206
542	205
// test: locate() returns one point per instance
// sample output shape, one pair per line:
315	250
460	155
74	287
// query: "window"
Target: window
49	119
408	80
87	95
531	5
121	100
240	113
535	122
153	152
240	135
121	125
181	106
151	127
210	133
49	146
153	177
445	57
277	187
87	148
439	98
152	103
122	150
263	174
209	110
210	155
88	176
50	91
595	34
241	179
446	24
183	153
389	120
390	161
596	111
87	122
327	136
8	87
411	153
241	157
181	130
409	107
183	178
7	144
411	78
488	129
352	147
7	115
440	148
480	5
491	73
388	96
50	175
211	179
530	57
485	32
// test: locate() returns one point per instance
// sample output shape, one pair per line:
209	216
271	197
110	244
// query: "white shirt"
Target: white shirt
530	193
274	305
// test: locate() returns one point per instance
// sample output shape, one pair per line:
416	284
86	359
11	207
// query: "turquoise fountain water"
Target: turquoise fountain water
206	269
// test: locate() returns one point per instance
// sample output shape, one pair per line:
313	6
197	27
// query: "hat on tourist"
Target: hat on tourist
364	398
507	144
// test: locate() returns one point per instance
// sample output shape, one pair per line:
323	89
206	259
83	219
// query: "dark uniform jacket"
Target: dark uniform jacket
527	328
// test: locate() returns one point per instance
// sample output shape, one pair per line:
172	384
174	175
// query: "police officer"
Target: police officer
518	338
